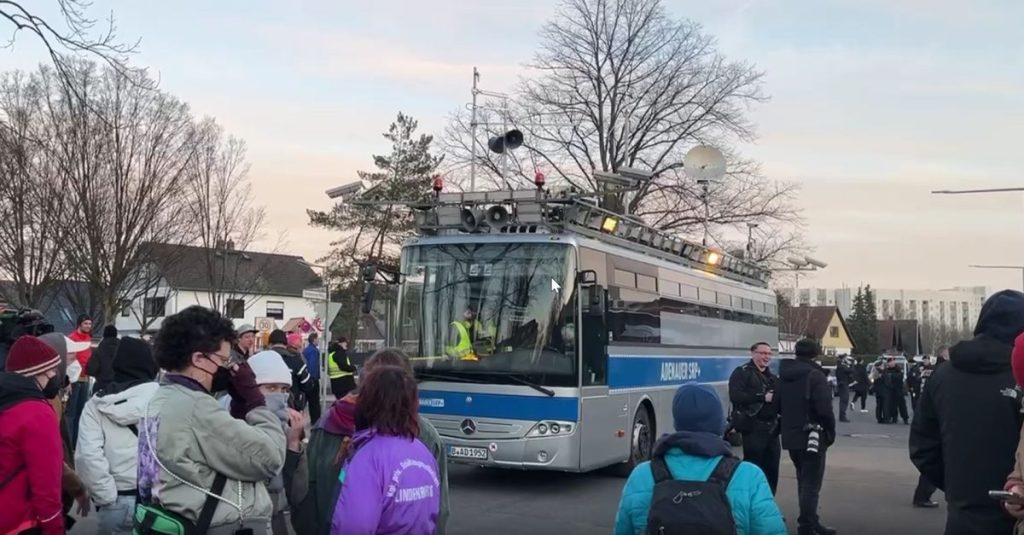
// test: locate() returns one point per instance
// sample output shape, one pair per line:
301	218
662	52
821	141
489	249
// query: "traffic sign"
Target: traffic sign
315	294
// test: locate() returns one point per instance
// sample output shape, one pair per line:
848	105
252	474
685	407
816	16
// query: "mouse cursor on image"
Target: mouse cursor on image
555	287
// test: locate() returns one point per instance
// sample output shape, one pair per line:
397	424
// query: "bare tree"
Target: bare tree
124	149
32	196
72	32
226	222
618	83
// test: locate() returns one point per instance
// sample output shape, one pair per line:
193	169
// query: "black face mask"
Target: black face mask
52	388
221	378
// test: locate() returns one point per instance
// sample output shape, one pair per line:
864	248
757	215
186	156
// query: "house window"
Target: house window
235	308
275	309
833	332
126	308
155	307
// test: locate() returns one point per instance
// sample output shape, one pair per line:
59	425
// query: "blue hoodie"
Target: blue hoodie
692	454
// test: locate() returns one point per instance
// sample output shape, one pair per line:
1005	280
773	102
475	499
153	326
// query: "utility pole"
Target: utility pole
472	134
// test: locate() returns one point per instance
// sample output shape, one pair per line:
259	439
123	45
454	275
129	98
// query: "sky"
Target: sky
874	103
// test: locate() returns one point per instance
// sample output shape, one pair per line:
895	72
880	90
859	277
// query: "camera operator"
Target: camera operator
808	429
755	411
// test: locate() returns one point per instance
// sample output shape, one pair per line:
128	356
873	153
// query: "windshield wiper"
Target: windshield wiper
445	377
535	386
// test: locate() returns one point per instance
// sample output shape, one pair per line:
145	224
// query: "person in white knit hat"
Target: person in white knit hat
275	381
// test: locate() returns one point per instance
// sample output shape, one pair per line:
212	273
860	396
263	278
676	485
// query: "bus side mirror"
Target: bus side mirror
587	278
594	300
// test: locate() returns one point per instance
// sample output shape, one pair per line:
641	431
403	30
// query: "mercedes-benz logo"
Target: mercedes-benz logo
468	426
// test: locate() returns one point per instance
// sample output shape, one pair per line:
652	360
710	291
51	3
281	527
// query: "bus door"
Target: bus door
602	417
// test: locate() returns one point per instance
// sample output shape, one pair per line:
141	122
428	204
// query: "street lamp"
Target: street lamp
966	191
1019	268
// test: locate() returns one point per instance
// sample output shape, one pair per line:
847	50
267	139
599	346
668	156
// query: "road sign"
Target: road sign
265	324
315	294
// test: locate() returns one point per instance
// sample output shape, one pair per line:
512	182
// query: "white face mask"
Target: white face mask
278	404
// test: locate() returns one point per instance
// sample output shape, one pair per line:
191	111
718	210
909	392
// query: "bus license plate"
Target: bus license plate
464	452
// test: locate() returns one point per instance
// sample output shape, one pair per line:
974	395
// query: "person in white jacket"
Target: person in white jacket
108	437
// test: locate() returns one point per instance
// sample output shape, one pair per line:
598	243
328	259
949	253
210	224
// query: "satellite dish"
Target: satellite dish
704	163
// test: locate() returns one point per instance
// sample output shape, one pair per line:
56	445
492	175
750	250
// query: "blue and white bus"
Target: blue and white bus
591	320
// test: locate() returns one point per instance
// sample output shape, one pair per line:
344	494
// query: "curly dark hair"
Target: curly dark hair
389	401
388	356
193	330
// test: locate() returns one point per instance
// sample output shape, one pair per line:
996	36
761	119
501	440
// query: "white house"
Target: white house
250	288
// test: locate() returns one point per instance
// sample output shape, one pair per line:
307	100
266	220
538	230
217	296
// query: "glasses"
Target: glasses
222	358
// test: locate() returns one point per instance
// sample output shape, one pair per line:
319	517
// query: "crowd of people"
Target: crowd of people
200	432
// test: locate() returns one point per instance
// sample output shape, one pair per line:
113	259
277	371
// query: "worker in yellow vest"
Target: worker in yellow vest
472	338
340	369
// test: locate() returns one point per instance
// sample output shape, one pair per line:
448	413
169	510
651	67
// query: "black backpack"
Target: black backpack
681	507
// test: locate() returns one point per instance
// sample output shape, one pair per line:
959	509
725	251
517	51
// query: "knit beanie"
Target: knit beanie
295	340
30	356
133	361
1018	360
697	408
277	336
269	368
110	331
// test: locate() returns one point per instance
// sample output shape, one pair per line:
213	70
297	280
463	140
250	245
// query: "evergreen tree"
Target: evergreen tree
374	233
863	323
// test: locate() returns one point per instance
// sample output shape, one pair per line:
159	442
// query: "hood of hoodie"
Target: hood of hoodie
1002	316
983	355
696	443
16	388
127	406
792	370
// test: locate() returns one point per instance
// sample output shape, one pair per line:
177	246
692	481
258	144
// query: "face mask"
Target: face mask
278	404
52	387
221	377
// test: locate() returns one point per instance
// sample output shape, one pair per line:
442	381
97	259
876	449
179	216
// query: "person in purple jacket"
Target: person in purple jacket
390	484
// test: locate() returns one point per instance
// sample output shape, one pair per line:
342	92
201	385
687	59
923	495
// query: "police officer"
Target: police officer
844	377
755	411
895	396
914	382
340	370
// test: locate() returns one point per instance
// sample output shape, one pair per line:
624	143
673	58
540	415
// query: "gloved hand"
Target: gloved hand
245	393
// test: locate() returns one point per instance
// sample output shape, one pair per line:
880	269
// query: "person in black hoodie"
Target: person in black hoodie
101	365
966	428
895	397
844	378
860	384
302	383
806	400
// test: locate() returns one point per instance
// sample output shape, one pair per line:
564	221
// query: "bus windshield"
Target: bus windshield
496	312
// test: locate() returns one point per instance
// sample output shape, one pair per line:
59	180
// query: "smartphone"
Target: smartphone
1006	496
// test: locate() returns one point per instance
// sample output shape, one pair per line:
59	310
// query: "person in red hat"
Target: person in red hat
31	454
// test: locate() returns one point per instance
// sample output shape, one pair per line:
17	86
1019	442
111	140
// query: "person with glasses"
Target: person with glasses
195	455
755	411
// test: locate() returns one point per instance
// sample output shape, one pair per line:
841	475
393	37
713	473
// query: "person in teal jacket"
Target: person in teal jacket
691	453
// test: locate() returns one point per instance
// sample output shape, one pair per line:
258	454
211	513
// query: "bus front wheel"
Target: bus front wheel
641	444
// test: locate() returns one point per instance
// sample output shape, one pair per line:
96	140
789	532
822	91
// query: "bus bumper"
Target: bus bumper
560	453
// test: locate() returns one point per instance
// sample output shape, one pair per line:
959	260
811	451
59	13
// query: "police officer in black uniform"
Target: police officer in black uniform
755	411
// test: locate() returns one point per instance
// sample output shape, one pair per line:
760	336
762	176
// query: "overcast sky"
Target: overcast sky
873	104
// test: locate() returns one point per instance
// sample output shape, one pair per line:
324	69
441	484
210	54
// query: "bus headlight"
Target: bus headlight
549	428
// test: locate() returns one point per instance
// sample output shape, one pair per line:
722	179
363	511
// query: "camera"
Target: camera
813	437
15	323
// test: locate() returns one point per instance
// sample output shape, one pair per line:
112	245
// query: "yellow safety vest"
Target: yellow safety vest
463	349
333	371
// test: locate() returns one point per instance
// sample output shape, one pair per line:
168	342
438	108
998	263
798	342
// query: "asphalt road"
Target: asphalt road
869	482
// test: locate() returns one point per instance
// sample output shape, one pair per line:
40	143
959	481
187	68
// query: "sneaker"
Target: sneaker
926	505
